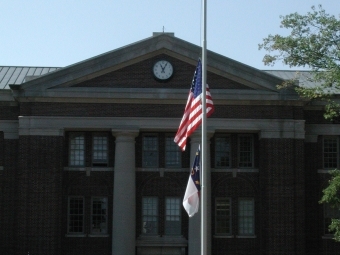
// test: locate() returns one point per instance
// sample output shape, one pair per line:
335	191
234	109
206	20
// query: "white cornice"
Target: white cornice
315	130
10	128
151	95
55	126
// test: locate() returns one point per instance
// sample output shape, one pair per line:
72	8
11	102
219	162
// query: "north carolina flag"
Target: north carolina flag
191	197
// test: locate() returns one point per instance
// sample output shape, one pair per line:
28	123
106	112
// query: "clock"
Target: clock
163	70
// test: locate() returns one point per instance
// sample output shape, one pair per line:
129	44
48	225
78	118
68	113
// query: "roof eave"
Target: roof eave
99	64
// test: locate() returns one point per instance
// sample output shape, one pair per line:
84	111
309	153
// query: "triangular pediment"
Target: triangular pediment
130	67
140	75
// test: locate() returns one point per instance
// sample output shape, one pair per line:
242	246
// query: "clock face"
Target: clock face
163	70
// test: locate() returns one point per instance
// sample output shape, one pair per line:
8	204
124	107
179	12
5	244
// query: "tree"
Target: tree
331	196
313	42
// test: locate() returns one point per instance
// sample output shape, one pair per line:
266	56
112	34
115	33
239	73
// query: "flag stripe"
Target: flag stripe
192	116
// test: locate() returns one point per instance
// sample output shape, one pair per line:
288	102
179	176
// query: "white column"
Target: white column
124	194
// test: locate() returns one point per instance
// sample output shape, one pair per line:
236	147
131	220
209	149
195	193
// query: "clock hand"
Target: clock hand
164	67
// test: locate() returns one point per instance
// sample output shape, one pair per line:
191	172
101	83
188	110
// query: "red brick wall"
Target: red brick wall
282	196
8	195
140	76
39	181
9	112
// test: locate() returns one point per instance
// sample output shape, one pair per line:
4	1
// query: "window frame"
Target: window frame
323	151
217	217
156	216
71	136
228	136
69	215
179	215
93	215
100	164
241	217
239	150
156	152
174	149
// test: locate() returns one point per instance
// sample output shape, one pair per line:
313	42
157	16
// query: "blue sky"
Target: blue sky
62	32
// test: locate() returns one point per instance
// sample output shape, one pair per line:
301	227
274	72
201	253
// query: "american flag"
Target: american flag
192	116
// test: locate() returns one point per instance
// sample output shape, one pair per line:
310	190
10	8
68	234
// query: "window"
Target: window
99	215
223	216
77	149
100	150
154	209
172	216
159	151
243	217
150	215
329	214
330	152
88	149
76	215
246	217
245	151
234	151
78	220
150	150
172	153
222	151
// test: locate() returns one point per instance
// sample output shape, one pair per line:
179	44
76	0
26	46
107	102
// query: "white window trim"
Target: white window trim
157	163
180	215
238	217
323	151
71	134
230	152
178	149
91	220
230	234
238	150
99	134
76	234
157	216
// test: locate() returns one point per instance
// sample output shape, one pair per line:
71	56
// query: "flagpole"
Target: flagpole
204	193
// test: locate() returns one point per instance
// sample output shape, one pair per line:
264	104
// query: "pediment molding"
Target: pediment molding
64	78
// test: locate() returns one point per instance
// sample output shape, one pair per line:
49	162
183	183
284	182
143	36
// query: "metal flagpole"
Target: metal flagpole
204	192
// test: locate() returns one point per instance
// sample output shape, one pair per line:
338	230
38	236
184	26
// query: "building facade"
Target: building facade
88	164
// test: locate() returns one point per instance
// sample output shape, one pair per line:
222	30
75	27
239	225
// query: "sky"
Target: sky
58	33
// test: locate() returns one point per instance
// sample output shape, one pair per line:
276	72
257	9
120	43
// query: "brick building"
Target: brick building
88	164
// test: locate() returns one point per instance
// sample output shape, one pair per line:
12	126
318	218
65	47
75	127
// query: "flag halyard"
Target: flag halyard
192	117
